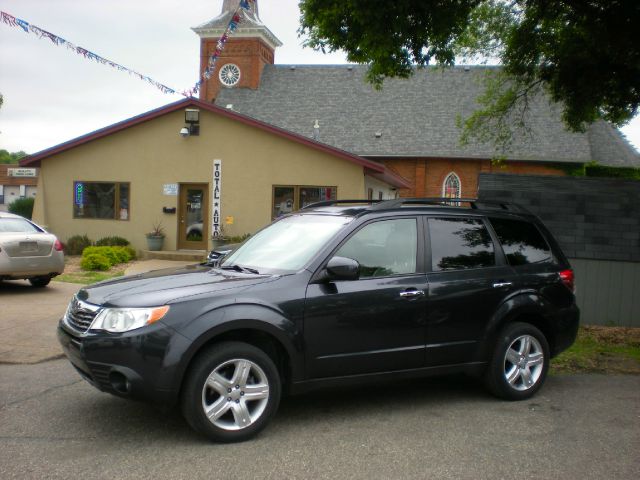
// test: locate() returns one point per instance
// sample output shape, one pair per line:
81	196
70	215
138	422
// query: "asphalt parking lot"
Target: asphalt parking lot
55	425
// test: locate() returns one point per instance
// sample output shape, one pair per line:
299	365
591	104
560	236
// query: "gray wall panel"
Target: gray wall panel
608	293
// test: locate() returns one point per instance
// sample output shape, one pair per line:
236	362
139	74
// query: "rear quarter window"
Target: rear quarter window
522	242
459	244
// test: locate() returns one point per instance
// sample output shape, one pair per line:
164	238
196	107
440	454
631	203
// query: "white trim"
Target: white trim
444	184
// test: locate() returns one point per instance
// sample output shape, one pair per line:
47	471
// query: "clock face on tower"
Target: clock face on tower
229	75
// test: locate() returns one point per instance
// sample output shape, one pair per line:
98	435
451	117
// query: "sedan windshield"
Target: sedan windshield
17	225
286	245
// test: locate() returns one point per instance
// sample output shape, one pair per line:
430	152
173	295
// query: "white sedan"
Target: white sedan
27	251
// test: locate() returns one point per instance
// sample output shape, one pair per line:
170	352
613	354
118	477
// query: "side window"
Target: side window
460	243
521	241
384	248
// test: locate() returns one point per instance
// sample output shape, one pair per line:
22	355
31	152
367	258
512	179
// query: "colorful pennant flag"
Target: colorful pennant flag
237	18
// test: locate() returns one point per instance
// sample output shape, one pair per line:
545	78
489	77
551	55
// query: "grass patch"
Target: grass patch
601	350
86	278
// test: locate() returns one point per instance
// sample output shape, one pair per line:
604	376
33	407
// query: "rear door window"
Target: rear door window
522	242
460	243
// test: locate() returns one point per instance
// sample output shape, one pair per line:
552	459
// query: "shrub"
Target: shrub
95	261
104	251
76	244
123	254
132	253
115	255
22	207
113	241
238	238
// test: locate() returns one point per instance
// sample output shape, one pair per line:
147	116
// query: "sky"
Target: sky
52	95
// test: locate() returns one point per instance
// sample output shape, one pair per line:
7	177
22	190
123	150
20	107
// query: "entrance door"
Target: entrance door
193	216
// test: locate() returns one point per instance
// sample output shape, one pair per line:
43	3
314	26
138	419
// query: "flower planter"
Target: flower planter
154	243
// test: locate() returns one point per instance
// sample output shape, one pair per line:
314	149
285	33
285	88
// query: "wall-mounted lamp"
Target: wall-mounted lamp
192	120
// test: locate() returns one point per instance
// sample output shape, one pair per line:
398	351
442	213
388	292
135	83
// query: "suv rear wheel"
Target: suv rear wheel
231	392
520	362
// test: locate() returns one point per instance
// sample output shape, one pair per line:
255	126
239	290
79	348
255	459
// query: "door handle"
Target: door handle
412	293
502	284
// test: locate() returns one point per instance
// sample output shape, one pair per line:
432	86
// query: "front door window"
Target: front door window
193	224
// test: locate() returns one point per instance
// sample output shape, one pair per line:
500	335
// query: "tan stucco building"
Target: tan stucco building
230	175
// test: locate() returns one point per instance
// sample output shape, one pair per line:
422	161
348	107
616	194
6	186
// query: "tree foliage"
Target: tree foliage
11	157
584	54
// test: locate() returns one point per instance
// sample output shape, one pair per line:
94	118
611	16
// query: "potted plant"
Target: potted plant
155	238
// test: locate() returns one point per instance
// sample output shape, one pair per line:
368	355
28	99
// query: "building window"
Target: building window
288	198
451	187
103	200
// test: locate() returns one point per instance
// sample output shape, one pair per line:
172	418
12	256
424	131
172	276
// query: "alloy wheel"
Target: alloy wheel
523	362
235	394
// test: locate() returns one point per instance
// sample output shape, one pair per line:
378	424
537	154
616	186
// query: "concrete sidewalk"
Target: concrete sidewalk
29	316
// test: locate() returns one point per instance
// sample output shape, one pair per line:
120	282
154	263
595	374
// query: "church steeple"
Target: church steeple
245	54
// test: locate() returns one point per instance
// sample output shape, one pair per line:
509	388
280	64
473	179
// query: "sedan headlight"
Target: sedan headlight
119	320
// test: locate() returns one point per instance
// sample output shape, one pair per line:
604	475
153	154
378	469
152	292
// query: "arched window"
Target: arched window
451	187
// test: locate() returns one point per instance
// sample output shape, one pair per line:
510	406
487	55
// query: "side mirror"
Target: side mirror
342	268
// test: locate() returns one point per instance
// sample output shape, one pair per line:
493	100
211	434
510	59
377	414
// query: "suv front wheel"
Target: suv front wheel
519	363
231	392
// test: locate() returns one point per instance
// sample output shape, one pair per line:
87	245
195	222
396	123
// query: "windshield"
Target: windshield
17	225
288	244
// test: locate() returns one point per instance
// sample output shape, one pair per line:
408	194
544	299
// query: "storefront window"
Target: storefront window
289	198
101	200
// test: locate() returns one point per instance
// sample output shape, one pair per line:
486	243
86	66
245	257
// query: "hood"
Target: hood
160	287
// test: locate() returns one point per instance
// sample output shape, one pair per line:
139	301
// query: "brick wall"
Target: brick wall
249	54
428	174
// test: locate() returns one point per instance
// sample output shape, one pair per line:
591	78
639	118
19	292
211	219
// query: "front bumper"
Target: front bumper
140	364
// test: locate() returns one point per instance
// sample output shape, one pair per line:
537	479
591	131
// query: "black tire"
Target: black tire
225	360
39	282
514	372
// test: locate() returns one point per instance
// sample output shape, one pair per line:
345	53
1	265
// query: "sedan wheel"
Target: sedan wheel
231	392
520	362
39	281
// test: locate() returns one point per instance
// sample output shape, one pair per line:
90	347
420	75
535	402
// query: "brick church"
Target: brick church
409	125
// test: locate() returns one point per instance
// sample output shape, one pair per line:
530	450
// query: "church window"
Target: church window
451	187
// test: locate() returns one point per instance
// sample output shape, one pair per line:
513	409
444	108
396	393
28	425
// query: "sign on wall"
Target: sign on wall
21	172
216	227
170	189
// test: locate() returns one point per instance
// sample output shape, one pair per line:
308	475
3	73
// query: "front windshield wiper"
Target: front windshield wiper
239	268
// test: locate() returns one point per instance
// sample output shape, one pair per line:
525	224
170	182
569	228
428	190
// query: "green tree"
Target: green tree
11	157
582	53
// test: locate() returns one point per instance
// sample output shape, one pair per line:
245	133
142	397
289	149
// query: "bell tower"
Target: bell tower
244	55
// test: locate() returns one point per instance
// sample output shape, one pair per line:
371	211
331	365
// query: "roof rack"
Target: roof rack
474	203
327	203
378	205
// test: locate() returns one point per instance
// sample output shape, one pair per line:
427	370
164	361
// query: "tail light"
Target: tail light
57	245
568	279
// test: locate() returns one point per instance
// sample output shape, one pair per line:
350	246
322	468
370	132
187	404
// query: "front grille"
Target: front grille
80	315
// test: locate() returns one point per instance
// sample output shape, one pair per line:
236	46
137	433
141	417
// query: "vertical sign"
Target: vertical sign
217	198
79	193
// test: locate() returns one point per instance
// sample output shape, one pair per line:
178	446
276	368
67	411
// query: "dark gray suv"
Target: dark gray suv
342	292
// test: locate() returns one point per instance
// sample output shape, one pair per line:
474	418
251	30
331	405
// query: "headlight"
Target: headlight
118	320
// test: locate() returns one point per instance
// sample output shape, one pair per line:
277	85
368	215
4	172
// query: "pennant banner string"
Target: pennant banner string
236	19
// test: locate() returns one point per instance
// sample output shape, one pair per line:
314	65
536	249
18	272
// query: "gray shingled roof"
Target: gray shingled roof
416	117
